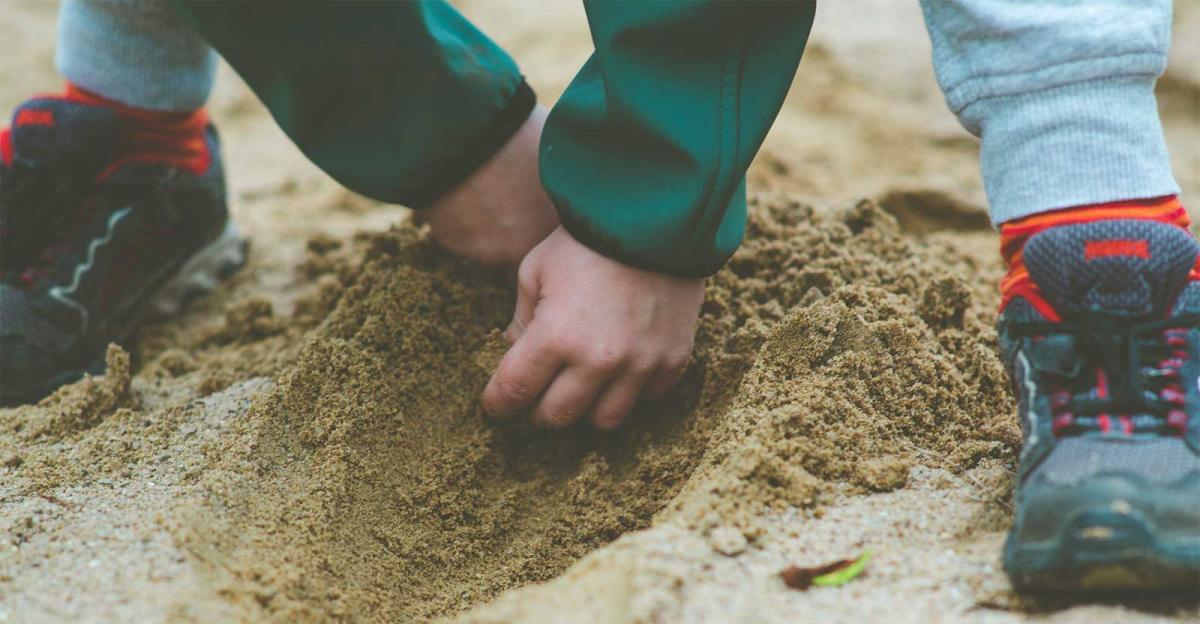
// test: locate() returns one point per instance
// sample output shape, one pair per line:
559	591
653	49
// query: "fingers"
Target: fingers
523	374
562	390
617	400
667	376
607	396
527	298
591	346
569	397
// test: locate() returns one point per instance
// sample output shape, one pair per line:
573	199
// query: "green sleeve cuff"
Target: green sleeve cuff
703	264
646	153
398	101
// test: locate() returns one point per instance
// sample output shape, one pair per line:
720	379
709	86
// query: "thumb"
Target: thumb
528	293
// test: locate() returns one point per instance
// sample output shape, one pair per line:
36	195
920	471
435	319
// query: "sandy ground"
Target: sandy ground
305	444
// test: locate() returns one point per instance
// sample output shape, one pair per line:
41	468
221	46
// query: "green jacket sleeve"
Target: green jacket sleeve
398	101
645	155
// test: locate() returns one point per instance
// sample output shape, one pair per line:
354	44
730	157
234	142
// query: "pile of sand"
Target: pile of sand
835	354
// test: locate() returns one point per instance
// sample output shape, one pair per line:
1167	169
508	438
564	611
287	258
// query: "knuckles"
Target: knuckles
527	276
608	357
643	366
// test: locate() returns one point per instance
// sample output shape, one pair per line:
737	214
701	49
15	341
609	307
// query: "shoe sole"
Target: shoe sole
197	276
1103	551
200	274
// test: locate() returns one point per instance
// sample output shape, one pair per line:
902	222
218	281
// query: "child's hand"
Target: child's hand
501	211
590	335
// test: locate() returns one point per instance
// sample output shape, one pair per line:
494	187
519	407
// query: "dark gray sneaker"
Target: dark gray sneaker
1105	366
89	245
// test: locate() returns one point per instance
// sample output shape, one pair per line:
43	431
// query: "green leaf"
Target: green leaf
845	574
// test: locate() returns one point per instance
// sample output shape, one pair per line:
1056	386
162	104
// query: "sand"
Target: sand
306	445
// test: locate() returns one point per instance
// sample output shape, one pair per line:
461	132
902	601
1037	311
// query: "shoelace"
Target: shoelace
1129	370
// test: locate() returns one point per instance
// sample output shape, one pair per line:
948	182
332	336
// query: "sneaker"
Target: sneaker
46	177
89	243
1104	359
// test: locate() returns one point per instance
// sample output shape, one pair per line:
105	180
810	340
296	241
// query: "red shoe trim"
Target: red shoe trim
175	138
1108	248
1164	209
6	148
1016	282
1028	291
34	117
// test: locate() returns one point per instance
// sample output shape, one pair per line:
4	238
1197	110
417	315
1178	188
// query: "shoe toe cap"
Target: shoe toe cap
1153	483
35	354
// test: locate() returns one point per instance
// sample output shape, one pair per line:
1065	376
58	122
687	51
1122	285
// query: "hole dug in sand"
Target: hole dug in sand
367	484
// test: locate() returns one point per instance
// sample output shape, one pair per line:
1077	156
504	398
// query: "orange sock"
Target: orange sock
154	136
1013	235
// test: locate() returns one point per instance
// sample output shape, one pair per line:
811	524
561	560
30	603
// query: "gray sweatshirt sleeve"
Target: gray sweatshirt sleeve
1061	94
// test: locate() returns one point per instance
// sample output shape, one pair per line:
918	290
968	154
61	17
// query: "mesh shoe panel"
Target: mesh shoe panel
1157	461
1119	266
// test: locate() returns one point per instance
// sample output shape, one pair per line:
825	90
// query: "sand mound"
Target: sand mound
835	353
844	394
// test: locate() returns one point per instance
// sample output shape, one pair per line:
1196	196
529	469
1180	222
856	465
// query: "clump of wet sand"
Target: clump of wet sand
844	370
83	404
366	481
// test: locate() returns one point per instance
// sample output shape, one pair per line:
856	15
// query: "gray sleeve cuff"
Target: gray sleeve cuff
138	53
1082	143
